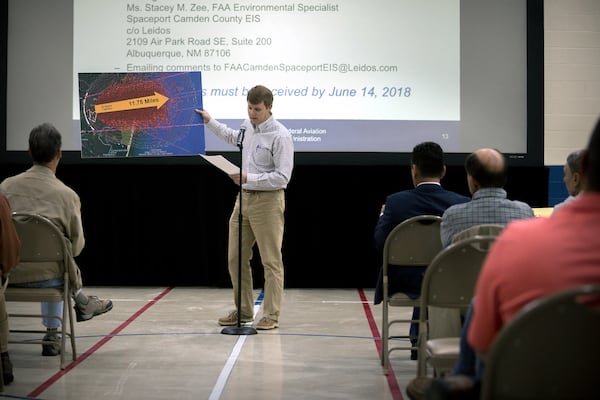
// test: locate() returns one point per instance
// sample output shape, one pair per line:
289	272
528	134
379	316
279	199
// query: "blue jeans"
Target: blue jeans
48	308
468	363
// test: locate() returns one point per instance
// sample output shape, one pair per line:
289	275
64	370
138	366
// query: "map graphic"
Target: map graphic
140	114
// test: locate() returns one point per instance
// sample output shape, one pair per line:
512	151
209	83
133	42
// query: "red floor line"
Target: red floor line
391	377
45	385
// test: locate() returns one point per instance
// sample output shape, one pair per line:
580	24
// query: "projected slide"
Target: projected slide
347	75
140	114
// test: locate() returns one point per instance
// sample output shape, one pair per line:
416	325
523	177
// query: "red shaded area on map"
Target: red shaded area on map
132	87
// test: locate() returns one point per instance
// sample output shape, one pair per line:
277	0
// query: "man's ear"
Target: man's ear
413	170
472	184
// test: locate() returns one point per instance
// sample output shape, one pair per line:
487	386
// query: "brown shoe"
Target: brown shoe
94	306
232	319
267	323
51	345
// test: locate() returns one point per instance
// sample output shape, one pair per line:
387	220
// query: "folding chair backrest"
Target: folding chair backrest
449	282
413	242
450	278
478	230
548	351
45	241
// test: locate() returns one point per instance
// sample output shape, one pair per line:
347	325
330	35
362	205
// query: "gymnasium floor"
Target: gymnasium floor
164	343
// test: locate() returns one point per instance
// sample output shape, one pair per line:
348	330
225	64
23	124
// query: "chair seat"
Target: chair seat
400	299
442	354
448	347
33	294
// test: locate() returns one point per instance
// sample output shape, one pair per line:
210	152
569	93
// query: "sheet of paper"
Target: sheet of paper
222	163
543	211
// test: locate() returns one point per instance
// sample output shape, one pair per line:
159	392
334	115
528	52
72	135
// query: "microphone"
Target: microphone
240	138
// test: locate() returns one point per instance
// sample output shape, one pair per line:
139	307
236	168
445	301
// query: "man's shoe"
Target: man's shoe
95	306
417	387
232	319
7	369
53	347
414	355
266	323
453	387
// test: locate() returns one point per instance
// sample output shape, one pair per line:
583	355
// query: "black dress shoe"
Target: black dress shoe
7	369
414	355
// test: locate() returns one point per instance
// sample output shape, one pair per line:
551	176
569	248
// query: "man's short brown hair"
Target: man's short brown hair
260	94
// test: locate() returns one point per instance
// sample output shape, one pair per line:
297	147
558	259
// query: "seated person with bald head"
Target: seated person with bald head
486	177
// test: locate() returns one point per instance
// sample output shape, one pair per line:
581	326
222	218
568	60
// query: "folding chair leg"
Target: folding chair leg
72	335
67	315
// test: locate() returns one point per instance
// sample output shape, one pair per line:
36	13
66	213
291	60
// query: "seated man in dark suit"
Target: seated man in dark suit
426	198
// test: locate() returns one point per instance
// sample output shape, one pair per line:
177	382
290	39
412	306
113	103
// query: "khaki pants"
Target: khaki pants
262	223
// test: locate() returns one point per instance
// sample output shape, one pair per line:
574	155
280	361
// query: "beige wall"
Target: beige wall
572	75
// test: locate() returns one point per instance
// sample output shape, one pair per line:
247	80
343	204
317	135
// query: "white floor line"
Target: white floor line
228	367
226	371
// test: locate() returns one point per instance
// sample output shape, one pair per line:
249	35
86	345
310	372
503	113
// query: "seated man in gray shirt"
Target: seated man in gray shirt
486	177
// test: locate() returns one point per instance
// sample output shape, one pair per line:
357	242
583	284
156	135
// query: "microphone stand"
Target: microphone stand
239	329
